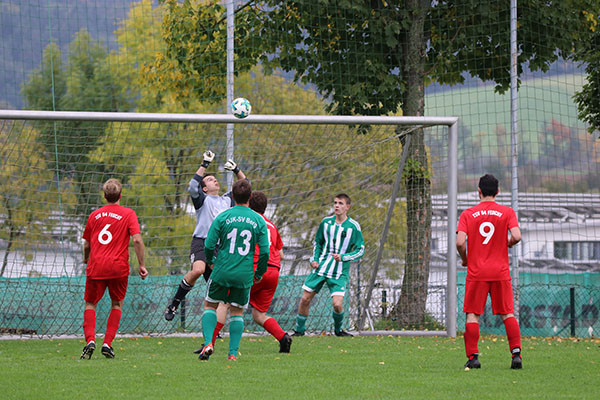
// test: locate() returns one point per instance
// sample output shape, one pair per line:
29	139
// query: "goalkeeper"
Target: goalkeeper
339	240
204	191
238	230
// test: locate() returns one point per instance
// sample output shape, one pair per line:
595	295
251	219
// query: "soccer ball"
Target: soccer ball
241	107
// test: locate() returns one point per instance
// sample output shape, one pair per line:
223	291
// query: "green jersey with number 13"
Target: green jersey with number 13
237	231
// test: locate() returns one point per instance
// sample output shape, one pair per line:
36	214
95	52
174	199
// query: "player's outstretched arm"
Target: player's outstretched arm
207	158
230	165
138	246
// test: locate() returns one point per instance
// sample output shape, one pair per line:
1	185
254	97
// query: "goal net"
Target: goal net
53	165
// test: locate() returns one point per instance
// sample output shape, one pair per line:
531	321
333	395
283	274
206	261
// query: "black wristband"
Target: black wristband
205	164
235	170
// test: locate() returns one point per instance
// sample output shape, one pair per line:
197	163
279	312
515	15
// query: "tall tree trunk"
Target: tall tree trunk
410	309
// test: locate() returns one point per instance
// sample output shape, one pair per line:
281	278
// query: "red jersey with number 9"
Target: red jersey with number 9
487	225
108	230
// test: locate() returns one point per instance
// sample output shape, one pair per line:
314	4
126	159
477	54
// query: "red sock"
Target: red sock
112	325
89	325
471	338
273	328
513	332
216	332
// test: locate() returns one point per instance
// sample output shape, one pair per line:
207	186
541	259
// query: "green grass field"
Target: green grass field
318	368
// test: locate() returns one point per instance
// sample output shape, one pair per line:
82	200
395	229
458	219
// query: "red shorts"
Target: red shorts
476	293
261	294
95	288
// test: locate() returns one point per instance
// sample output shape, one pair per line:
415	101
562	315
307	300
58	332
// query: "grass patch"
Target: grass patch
319	367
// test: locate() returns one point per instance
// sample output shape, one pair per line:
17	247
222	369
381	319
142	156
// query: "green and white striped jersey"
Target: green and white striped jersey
237	230
345	239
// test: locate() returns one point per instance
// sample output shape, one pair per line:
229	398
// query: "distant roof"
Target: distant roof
531	206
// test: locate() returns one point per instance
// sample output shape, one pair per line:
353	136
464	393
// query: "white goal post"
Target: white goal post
452	158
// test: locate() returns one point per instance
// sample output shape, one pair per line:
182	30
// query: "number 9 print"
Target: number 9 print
487	234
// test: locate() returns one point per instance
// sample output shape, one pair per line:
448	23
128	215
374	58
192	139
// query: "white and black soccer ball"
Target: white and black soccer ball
241	107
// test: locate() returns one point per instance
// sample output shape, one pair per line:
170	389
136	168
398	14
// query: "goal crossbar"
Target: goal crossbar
224	118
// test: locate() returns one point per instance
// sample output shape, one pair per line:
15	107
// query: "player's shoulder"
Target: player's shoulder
126	209
268	222
353	222
95	212
471	210
505	208
330	219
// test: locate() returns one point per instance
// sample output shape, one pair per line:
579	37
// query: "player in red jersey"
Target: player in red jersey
261	294
106	253
485	255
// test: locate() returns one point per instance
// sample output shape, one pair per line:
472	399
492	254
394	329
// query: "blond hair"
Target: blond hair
112	190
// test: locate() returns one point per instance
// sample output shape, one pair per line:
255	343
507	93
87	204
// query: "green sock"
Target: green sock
209	323
236	328
338	318
301	323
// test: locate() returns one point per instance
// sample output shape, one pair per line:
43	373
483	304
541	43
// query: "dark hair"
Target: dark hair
241	191
112	190
258	202
344	197
488	185
202	184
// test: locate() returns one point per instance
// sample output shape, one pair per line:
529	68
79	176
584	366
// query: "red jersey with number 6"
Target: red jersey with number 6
487	225
108	230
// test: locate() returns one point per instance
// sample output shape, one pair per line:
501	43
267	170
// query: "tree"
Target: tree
156	163
588	98
397	48
139	39
31	203
47	85
90	87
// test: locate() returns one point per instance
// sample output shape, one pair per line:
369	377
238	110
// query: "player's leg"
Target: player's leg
338	315
272	326
312	285
471	340
89	330
261	296
238	299
94	290
337	287
215	294
502	303
198	261
222	310
117	288
474	305
209	322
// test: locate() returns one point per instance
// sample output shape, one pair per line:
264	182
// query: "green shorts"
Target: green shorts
237	297
314	282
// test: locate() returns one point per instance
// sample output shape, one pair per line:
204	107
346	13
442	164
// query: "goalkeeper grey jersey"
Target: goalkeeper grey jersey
207	206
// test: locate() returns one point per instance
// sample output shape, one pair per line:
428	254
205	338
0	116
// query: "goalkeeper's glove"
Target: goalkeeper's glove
230	165
208	157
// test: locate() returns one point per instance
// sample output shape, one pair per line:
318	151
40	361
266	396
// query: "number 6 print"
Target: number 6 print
487	234
104	237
